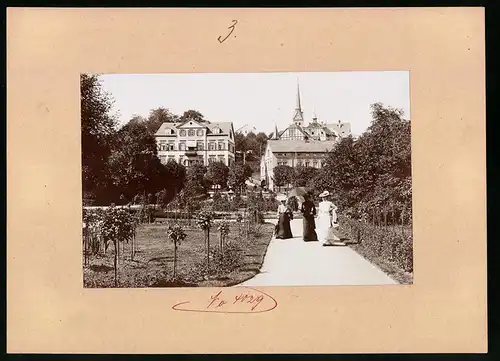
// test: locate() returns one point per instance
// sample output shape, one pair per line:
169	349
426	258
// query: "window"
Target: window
182	133
181	160
199	132
211	159
170	145
191	132
220	158
199	145
182	146
211	146
163	159
308	164
221	146
315	164
299	162
171	157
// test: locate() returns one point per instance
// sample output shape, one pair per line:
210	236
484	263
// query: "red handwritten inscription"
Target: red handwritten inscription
231	300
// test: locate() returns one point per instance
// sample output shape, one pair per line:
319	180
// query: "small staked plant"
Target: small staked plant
204	220
223	228
177	235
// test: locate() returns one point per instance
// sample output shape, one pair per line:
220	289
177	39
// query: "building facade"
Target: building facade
292	153
300	144
194	142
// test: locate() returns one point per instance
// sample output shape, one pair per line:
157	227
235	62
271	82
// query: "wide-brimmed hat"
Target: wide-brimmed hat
324	194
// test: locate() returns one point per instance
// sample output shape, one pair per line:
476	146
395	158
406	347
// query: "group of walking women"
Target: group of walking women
317	223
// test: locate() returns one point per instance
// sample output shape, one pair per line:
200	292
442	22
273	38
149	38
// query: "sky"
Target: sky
261	100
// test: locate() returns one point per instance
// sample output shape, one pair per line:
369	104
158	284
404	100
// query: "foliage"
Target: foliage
283	175
217	174
192	115
204	219
223	228
303	176
176	234
227	259
97	129
117	226
238	174
393	244
220	202
293	203
253	144
373	171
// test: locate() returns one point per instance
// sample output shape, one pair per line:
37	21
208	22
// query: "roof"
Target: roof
161	130
341	128
224	126
300	146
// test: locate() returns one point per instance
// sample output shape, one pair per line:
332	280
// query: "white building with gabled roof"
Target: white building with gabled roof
193	142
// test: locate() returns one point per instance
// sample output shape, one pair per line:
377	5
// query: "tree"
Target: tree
173	178
134	164
217	173
192	115
373	171
240	142
97	129
117	226
283	175
195	179
177	235
303	175
238	174
157	117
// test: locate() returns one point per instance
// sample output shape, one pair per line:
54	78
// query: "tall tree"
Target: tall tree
304	175
97	127
217	174
195	179
283	175
157	117
134	164
193	115
238	174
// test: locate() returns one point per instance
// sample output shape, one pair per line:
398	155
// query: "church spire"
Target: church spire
297	107
298	117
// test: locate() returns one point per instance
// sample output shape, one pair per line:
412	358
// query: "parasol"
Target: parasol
298	192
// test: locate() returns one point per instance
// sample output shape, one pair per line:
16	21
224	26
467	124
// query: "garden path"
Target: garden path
293	262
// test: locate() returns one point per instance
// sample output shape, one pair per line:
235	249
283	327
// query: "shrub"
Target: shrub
386	243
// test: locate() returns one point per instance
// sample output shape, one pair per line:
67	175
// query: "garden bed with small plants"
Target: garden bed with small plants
146	258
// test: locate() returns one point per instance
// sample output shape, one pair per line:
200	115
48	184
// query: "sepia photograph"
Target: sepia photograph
246	179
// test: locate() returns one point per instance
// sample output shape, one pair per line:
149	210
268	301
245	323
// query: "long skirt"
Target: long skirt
309	229
325	230
284	230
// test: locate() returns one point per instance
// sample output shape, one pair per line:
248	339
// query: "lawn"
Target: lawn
153	261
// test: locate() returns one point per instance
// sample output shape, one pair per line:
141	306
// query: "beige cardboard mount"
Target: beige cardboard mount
48	309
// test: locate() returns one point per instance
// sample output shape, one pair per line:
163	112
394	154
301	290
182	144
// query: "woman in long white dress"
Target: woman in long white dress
327	218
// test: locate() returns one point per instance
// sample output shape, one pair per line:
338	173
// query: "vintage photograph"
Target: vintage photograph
246	179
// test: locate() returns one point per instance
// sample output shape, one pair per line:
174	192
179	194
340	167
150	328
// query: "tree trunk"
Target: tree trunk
175	259
208	249
403	222
221	248
115	263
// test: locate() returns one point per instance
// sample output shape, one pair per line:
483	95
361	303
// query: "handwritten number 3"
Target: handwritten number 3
229	27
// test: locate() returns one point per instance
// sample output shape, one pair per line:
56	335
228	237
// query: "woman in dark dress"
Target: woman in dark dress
284	216
309	212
